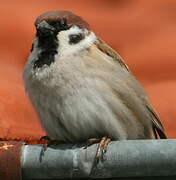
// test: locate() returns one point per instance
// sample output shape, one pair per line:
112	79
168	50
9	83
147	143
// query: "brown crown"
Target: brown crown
71	18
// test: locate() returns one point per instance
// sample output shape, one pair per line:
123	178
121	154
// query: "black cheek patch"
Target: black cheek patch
75	38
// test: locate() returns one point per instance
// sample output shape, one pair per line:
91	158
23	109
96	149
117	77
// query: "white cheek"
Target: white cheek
66	49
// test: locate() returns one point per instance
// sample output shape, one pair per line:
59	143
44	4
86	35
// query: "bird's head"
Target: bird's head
60	33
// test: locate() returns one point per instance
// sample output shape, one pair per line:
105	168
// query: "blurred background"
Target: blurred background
143	33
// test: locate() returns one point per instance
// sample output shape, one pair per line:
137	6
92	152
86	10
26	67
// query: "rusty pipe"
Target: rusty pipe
10	160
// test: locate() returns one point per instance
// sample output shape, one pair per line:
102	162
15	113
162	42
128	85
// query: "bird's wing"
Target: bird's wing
157	126
110	52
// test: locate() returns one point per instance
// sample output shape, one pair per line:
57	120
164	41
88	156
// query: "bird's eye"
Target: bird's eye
75	38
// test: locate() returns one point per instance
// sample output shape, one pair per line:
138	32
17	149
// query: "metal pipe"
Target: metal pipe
123	159
132	158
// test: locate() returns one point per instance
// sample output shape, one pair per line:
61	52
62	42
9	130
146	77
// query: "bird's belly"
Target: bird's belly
88	108
78	117
77	124
71	130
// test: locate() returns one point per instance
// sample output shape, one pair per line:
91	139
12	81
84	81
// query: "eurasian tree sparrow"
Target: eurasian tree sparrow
81	88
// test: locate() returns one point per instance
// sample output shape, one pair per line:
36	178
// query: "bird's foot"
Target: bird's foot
45	138
102	148
92	141
48	142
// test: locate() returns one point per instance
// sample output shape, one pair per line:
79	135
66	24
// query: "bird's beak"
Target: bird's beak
44	29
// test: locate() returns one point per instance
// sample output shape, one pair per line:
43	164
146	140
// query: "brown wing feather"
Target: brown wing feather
157	126
110	52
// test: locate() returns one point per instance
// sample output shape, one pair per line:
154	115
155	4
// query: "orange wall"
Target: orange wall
143	32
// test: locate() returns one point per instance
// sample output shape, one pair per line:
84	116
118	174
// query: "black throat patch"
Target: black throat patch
48	42
48	48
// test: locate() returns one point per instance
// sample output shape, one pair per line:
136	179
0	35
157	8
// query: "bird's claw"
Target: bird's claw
102	148
91	141
45	138
46	145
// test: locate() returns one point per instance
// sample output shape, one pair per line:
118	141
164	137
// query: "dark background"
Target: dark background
143	32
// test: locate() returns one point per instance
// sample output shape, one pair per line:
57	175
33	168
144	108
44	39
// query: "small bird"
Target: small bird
81	88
